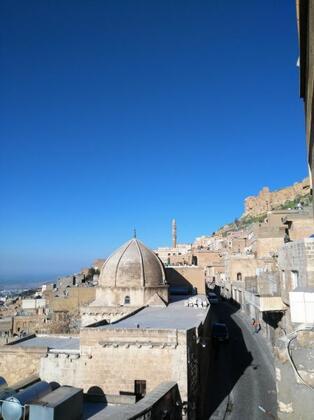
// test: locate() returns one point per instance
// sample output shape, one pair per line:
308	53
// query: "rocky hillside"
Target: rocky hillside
268	200
256	207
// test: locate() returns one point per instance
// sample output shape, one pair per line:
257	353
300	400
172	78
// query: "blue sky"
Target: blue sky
117	114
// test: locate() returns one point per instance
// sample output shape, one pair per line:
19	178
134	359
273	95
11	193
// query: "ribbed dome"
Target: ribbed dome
132	265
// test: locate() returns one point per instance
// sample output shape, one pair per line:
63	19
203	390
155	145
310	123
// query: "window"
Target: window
127	300
283	279
294	279
139	389
239	276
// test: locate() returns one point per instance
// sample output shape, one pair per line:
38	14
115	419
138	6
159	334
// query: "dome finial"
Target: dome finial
134	233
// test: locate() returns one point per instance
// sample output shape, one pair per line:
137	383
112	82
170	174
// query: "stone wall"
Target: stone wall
163	400
18	363
30	323
64	304
301	228
236	245
268	283
113	359
206	258
92	314
77	296
266	247
215	273
241	265
138	296
297	256
83	294
295	395
267	200
187	276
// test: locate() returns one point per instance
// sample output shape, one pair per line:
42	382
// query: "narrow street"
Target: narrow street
242	374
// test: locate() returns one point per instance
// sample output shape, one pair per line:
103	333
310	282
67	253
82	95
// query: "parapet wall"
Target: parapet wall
113	359
18	362
165	398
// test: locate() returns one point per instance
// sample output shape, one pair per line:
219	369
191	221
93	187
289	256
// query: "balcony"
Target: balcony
265	303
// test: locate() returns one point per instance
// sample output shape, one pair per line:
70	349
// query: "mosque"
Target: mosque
134	336
131	278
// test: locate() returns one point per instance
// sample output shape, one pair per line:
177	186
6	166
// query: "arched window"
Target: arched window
127	300
239	276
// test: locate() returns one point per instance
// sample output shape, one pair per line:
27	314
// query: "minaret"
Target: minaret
174	234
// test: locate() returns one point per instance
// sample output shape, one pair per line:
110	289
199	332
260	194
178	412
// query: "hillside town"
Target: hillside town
262	264
221	328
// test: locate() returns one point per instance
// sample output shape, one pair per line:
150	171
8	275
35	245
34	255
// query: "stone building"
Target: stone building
186	279
132	277
138	352
264	240
177	254
298	224
280	296
305	19
6	328
203	241
74	299
141	337
204	257
294	351
296	265
28	324
180	255
215	273
236	244
237	267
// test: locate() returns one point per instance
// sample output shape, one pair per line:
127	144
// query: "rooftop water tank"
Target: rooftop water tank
4	394
13	406
66	402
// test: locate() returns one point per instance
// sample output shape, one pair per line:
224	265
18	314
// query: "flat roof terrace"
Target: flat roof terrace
49	341
177	315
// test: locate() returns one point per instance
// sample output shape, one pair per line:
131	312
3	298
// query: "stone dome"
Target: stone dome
132	265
